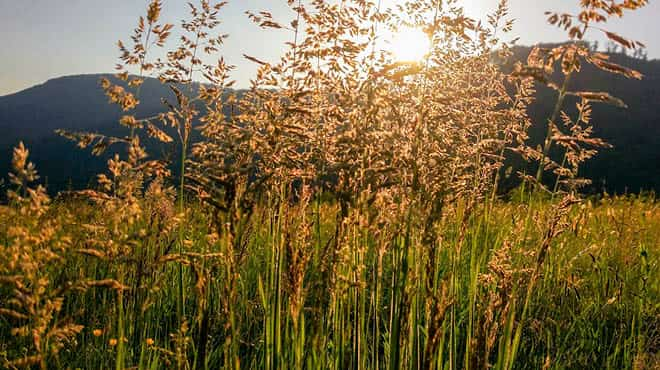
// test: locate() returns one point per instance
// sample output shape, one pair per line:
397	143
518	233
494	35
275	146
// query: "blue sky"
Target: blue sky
43	39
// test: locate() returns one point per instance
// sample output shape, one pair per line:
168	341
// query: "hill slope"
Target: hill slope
75	103
634	162
78	103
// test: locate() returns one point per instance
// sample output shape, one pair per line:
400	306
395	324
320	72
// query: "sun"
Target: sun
410	45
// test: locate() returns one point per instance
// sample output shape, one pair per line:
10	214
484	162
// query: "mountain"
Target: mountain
74	103
633	164
78	103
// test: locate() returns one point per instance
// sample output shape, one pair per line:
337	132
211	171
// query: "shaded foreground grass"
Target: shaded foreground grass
288	294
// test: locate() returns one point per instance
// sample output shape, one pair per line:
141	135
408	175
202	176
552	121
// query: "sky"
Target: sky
45	39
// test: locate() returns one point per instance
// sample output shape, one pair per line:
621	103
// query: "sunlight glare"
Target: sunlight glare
410	45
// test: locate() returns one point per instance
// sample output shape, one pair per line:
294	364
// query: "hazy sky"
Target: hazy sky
43	39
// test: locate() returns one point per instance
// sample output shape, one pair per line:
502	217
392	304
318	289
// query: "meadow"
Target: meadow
345	212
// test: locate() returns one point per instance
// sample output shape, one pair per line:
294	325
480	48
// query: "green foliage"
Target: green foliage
595	304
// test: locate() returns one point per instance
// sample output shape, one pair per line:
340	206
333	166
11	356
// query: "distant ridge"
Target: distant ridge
634	162
74	103
78	103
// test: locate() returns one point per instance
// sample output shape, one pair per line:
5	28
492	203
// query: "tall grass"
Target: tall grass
342	213
593	304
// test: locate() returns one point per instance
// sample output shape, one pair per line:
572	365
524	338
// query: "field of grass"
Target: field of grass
286	294
344	212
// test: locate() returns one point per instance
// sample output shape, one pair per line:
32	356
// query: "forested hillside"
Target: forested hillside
78	103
